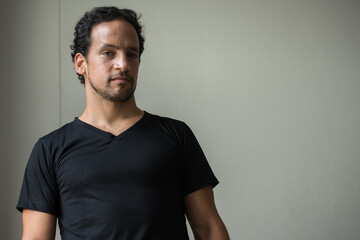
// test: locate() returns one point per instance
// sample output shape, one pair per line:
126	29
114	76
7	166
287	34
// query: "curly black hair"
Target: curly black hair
98	15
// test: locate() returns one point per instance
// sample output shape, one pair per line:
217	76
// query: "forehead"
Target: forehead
117	32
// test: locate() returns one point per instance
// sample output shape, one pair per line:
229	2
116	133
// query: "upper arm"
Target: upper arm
38	225
39	199
203	216
200	206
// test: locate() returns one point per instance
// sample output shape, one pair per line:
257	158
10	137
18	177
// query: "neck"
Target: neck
101	111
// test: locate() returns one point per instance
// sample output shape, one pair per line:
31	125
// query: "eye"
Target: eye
107	53
132	55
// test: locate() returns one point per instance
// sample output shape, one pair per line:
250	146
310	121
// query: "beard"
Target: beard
123	95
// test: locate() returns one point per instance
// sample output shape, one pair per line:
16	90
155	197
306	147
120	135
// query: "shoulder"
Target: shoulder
57	134
43	150
169	123
174	130
55	141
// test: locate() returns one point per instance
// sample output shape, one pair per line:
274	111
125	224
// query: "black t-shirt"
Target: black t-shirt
130	186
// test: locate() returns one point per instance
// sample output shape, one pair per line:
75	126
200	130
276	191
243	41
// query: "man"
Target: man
117	172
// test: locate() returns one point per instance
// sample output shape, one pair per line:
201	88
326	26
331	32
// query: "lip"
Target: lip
120	79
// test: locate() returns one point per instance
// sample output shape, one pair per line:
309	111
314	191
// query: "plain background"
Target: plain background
271	89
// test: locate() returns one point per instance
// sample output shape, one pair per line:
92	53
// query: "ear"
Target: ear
80	64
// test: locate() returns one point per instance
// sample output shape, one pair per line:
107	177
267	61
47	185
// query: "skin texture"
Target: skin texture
110	71
38	225
114	62
113	53
203	217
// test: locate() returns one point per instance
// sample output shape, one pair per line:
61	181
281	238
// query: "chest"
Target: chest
118	165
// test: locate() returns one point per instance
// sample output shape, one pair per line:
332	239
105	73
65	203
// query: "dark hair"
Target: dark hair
98	15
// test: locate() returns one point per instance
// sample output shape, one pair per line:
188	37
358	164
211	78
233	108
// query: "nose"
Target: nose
121	62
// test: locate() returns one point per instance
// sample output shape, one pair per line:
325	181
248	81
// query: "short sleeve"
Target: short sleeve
196	171
39	189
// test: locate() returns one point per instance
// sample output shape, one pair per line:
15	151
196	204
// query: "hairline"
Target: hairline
118	18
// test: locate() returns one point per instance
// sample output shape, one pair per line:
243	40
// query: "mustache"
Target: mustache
120	75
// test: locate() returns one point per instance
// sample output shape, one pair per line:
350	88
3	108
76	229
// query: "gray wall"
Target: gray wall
270	88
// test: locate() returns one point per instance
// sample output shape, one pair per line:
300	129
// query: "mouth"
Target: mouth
120	79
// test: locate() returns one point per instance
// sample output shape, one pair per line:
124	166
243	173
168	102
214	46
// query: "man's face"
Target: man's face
113	61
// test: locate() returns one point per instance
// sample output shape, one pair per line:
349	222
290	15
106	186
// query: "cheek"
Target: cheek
103	68
135	67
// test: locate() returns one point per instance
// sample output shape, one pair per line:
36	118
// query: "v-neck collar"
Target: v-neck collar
106	134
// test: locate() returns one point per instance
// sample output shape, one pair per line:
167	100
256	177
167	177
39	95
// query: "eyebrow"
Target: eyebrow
108	45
